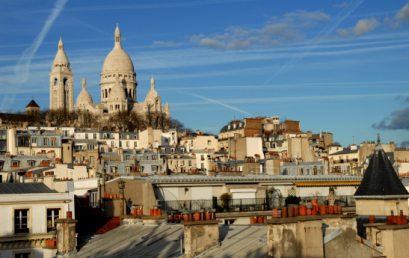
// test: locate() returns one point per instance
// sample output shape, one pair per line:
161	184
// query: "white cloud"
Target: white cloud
342	32
167	44
362	27
212	43
391	22
403	13
272	34
344	4
312	16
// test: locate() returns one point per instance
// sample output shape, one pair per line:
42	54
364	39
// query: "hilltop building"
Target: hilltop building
118	86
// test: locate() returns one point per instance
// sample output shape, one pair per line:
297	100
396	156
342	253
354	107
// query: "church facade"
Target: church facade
118	86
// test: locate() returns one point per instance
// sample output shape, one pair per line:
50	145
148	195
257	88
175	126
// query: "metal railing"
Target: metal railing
248	204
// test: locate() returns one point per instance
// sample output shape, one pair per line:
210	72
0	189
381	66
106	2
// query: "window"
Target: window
86	136
23	141
127	169
136	137
23	255
120	144
127	157
190	163
314	171
21	221
45	141
31	163
33	140
94	136
52	141
112	144
135	144
91	159
201	157
127	144
208	142
52	215
300	171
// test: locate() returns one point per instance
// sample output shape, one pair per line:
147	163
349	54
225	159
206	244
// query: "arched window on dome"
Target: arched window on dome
157	105
55	81
117	39
126	92
65	81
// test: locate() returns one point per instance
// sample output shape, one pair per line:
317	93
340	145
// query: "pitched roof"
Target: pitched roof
32	104
380	179
24	188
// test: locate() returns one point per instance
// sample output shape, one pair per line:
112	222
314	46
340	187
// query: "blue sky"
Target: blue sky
339	66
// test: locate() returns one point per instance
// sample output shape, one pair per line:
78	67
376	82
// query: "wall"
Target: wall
381	207
37	213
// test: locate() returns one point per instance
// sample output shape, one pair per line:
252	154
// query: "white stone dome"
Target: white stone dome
84	96
152	96
118	59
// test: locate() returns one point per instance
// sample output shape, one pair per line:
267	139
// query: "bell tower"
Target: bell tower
61	82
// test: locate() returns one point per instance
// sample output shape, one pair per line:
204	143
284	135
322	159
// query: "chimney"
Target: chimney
143	150
197	132
49	181
200	236
49	124
134	150
58	130
39	130
66	235
14	129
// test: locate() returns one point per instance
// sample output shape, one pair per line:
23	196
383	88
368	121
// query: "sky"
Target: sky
336	66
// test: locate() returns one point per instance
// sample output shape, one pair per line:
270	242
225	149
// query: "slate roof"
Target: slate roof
164	241
380	179
345	151
24	188
32	104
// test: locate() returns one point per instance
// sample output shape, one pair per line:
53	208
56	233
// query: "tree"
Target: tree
86	118
59	116
179	126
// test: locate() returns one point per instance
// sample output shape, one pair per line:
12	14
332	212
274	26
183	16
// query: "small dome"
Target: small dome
152	95
84	96
61	57
117	92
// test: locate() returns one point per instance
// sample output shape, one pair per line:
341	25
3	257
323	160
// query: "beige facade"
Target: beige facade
381	207
181	163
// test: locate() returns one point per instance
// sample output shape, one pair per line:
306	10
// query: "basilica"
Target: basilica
118	86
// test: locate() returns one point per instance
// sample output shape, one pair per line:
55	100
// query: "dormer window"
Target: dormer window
228	127
234	126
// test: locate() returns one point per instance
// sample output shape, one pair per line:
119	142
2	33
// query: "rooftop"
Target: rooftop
26	188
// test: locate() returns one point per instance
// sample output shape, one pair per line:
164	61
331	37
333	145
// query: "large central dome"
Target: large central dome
118	59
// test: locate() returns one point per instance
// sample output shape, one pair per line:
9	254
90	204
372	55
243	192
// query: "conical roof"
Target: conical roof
380	179
32	104
61	57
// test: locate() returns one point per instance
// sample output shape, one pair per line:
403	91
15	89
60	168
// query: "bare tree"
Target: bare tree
86	118
59	116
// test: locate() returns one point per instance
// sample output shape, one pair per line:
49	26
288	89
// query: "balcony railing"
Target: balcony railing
248	204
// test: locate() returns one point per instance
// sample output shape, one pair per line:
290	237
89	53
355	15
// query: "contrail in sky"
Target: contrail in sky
22	68
220	103
324	32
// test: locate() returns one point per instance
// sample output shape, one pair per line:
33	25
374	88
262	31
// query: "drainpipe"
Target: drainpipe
398	205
